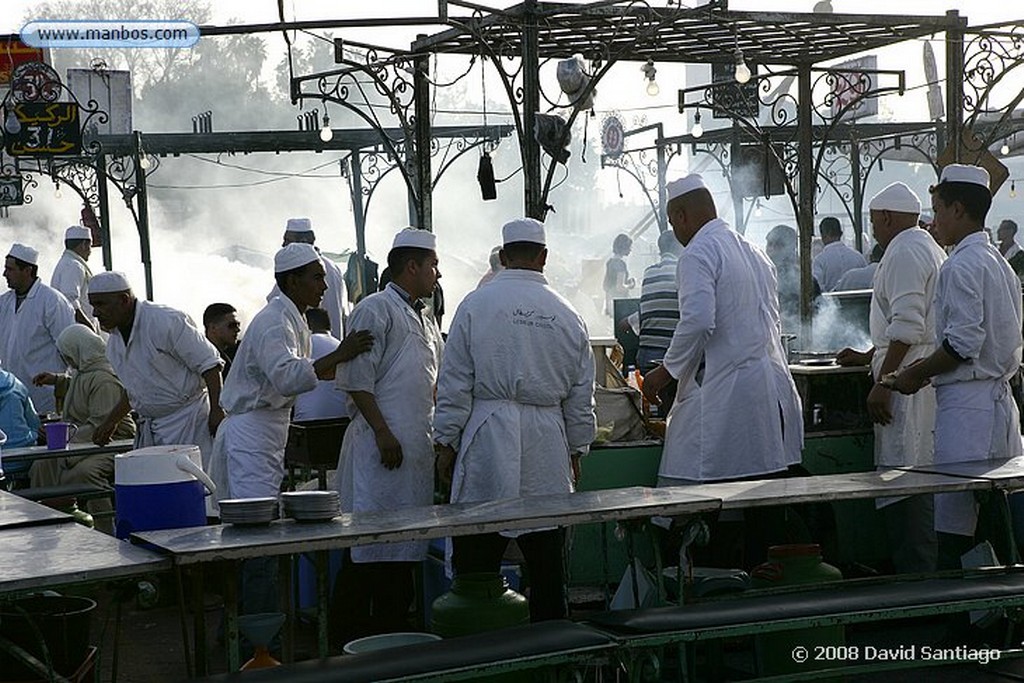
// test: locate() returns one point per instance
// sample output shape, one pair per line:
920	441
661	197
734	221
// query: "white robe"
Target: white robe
400	371
335	300
902	309
161	369
745	417
516	391
272	366
834	260
978	313
28	338
71	278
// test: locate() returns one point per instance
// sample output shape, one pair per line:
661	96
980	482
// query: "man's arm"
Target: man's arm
213	386
389	447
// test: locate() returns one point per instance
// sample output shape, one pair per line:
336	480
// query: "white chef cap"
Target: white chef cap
685	185
414	237
298	225
896	197
295	255
963	173
24	253
109	281
523	230
78	232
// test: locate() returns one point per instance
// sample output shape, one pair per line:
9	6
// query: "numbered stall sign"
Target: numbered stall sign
47	128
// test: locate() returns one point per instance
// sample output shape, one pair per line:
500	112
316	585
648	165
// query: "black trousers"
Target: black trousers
371	598
545	566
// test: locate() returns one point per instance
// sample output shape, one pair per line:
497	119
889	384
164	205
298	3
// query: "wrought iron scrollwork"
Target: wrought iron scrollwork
990	89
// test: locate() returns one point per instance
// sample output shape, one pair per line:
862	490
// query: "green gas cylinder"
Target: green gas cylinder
477	603
800	650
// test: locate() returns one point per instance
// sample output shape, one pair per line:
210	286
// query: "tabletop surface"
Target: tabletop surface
437	521
35	558
40	452
16	511
1002	473
832	487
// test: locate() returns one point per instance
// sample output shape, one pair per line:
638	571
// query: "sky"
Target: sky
256	217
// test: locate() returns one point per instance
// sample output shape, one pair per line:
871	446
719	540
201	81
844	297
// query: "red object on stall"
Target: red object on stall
89	221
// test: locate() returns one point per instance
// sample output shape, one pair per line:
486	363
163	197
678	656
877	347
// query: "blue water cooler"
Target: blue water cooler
159	487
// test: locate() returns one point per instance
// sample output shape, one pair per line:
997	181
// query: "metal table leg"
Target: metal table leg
231	641
322	609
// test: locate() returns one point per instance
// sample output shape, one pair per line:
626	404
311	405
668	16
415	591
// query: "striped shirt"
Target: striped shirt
659	303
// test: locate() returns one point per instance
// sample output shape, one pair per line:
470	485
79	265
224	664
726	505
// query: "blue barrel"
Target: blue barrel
159	487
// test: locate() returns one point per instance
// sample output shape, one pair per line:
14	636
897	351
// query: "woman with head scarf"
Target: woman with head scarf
89	394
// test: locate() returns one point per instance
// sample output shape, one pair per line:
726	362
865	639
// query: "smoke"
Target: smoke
836	326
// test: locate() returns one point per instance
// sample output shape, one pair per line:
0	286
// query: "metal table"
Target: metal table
828	488
32	453
34	558
1003	474
198	545
16	511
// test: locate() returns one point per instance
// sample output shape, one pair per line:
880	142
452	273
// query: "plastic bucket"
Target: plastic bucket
159	487
386	641
63	623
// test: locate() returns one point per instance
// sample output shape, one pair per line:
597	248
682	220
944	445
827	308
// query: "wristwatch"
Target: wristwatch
888	380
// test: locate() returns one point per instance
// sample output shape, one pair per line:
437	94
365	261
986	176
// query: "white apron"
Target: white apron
253	465
908	440
974	421
364	484
189	424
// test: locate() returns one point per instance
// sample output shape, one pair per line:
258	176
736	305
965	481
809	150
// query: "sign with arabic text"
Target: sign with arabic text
11	191
47	128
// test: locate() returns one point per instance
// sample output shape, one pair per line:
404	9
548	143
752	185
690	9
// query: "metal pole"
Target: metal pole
662	180
954	82
532	204
104	206
421	86
805	218
358	210
858	194
740	219
143	200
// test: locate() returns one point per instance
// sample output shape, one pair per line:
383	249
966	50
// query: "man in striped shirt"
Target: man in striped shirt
659	309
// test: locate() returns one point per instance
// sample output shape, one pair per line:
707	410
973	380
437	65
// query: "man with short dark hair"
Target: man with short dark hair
32	316
1006	235
978	335
387	458
222	329
515	410
71	275
835	258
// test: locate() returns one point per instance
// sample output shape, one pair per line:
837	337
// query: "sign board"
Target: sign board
613	137
112	92
729	96
14	53
47	128
11	190
851	81
973	151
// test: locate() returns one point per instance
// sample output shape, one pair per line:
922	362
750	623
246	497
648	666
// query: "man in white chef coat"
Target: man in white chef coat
836	257
72	274
729	320
902	325
978	337
170	372
387	457
272	366
32	316
335	299
515	402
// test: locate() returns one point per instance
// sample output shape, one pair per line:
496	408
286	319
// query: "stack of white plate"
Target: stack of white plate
311	506
248	510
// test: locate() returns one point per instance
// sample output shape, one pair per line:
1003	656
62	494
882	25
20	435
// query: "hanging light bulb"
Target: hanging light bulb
757	209
11	124
742	73
697	130
56	191
326	134
144	162
1013	189
1005	149
649	73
